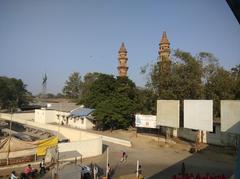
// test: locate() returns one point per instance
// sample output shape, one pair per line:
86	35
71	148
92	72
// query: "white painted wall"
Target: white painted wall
21	116
230	116
87	148
45	116
88	124
81	123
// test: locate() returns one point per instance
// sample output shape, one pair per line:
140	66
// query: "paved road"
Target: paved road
158	161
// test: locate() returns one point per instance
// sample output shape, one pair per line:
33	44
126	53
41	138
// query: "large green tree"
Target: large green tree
115	101
219	86
13	93
87	83
72	88
235	72
199	77
183	80
102	88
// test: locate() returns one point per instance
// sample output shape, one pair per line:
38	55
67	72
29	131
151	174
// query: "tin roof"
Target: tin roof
81	111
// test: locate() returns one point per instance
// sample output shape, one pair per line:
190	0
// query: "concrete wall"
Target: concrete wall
117	141
221	138
45	116
85	143
187	134
89	124
217	138
86	148
21	116
73	135
172	131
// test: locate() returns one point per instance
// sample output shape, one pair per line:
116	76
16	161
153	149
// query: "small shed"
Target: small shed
81	118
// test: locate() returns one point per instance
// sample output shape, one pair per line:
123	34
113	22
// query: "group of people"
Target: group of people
29	172
198	176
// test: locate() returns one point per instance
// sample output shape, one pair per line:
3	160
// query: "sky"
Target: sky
59	37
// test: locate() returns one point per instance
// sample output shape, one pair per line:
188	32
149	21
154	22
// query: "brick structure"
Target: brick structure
164	53
122	58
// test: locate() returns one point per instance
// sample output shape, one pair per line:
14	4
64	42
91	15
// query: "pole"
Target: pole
197	140
107	168
136	131
57	168
10	133
80	171
167	134
137	169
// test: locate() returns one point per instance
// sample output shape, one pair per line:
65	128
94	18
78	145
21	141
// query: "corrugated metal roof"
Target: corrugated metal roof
81	112
66	107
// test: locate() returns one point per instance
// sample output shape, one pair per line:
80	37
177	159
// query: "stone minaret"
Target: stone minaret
122	58
164	53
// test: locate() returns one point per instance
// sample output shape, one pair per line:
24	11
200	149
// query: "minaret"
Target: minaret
164	53
122	58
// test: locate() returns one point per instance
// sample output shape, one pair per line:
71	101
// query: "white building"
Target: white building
65	114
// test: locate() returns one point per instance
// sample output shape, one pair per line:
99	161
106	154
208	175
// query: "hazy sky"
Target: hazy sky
62	36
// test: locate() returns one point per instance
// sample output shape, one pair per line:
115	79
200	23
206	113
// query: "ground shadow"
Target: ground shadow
104	147
196	164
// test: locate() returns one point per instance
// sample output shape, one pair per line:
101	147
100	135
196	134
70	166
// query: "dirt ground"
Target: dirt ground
158	160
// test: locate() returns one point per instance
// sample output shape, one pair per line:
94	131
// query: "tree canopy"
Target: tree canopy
13	93
195	77
115	100
72	88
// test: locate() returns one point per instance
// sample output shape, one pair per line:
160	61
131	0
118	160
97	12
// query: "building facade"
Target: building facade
67	115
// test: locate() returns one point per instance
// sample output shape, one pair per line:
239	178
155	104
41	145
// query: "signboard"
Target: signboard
230	116
168	113
198	114
147	121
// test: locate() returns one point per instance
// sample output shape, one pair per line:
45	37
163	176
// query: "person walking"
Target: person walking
42	166
95	171
124	156
139	172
